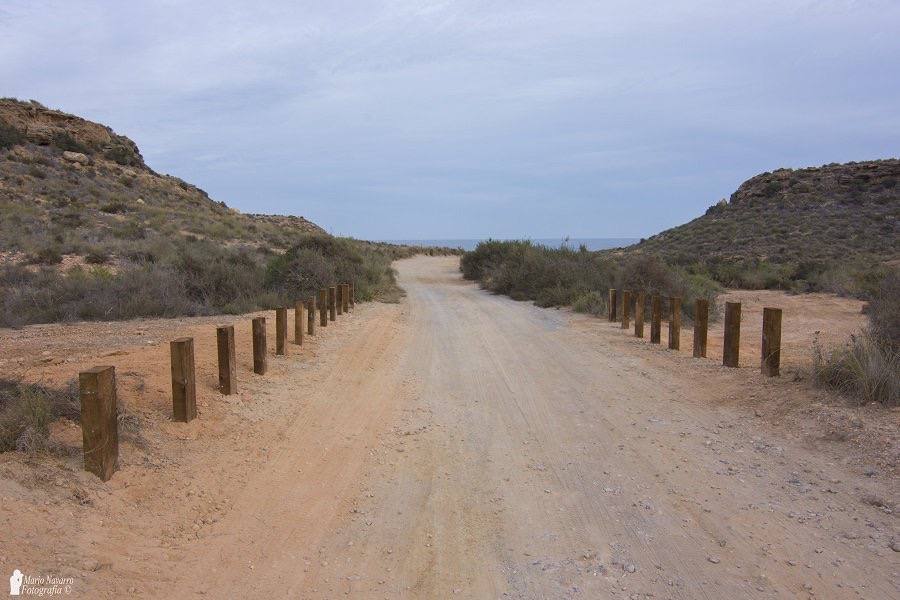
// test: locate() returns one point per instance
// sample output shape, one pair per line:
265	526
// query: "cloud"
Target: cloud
467	119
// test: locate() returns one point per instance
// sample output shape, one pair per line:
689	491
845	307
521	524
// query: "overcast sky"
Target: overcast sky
405	119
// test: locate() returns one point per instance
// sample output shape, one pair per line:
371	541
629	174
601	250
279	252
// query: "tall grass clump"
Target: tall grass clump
863	369
27	410
867	367
579	278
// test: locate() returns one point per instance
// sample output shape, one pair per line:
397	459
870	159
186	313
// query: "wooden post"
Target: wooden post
352	295
280	331
339	299
332	309
299	319
227	363
323	308
639	315
311	316
771	342
612	305
259	345
732	343
99	422
655	318
345	296
674	323
184	388
701	327
626	309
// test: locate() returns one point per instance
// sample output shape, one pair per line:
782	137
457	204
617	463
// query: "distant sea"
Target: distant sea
574	243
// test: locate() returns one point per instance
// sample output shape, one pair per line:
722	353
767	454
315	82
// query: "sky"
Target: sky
470	119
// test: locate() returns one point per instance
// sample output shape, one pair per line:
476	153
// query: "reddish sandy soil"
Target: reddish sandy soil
460	444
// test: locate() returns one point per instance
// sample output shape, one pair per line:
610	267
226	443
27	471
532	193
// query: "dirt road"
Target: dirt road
465	445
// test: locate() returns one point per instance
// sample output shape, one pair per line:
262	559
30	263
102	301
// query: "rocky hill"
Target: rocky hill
89	231
792	228
74	189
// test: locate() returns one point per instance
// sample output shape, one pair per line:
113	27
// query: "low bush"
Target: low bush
592	303
317	261
884	311
9	135
26	411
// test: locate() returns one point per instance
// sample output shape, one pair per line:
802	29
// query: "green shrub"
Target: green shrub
318	261
64	141
46	255
114	207
9	136
592	303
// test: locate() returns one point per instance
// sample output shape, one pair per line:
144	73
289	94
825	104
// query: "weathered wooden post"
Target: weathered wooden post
612	305
655	318
674	323
280	331
771	342
339	299
732	344
323	308
701	327
227	362
99	422
626	309
259	345
332	309
184	389
345	296
639	315
311	316
299	319
352	295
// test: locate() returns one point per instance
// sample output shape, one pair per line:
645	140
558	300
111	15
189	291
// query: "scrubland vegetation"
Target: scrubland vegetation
192	277
579	278
867	367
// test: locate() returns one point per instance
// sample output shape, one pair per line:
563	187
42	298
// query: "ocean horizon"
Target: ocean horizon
574	243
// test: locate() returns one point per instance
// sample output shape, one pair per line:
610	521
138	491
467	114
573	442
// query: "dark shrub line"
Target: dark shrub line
579	278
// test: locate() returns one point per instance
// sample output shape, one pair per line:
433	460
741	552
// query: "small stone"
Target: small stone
714	559
630	568
895	545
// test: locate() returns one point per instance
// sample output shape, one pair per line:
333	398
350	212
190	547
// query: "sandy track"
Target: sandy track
465	445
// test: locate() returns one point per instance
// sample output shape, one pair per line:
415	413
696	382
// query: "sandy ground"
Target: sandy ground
461	444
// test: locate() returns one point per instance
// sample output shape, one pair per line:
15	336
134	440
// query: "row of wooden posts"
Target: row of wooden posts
97	386
770	363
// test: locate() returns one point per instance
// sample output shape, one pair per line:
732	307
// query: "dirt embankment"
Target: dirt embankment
461	444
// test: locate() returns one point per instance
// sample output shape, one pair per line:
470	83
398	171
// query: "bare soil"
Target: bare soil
461	444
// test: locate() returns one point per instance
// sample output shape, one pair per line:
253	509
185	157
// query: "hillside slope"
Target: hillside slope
793	226
90	232
70	186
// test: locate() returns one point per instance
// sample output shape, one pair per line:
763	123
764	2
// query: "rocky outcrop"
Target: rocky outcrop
46	127
850	183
